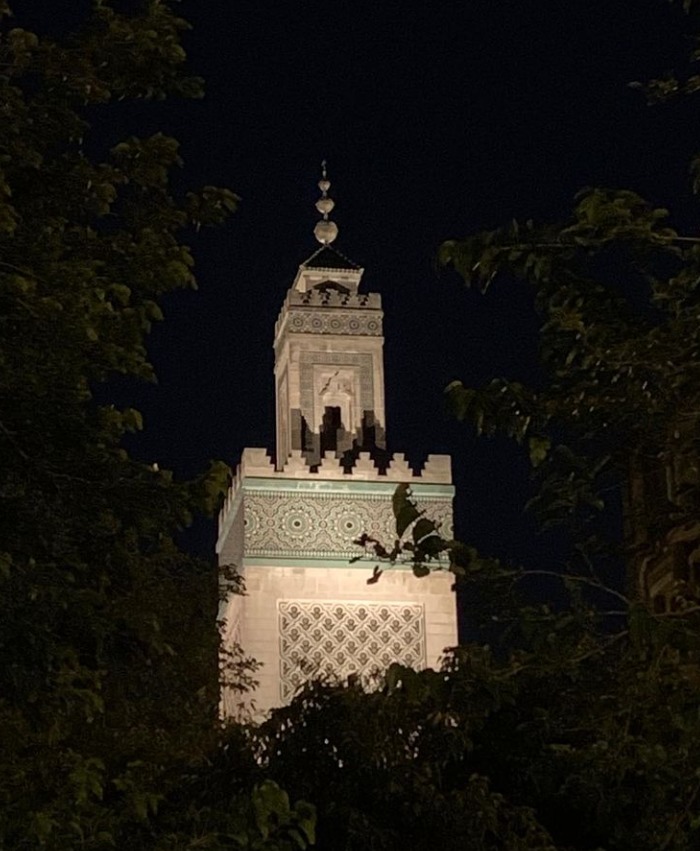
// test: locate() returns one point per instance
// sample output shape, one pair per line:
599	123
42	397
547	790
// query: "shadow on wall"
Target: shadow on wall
334	437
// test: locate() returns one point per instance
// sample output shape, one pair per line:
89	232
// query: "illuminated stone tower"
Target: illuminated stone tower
289	526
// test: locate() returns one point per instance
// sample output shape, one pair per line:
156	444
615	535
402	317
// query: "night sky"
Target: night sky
437	120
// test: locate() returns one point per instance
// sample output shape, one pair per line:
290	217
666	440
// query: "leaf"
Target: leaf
376	573
305	817
422	529
539	446
270	807
132	419
404	508
433	545
5	565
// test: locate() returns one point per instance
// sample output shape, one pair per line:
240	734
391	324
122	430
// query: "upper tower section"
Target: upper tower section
329	366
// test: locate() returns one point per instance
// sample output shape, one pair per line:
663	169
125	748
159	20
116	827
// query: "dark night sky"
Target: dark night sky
437	120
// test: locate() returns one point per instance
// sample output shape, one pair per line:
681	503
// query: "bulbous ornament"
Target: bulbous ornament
325	205
325	231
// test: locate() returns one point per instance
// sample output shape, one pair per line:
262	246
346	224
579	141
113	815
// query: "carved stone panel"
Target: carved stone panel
337	639
310	378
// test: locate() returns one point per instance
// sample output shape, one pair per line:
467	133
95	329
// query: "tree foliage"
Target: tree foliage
108	646
564	735
580	721
616	289
612	427
574	741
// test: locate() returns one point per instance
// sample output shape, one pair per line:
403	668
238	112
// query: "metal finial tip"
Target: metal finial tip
324	183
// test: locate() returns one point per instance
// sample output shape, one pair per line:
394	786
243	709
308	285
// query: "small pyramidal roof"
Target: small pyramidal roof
326	257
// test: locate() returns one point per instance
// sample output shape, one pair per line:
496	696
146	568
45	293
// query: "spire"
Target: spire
325	231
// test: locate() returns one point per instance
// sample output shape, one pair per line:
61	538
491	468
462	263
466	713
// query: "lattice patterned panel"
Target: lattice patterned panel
343	638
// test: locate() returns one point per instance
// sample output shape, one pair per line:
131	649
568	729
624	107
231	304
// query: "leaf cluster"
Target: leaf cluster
108	649
575	741
616	291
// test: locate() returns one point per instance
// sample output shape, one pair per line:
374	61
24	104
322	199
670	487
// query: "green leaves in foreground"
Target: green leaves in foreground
405	510
275	818
423	550
612	422
108	644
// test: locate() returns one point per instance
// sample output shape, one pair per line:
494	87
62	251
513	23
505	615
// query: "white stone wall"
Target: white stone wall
268	585
290	532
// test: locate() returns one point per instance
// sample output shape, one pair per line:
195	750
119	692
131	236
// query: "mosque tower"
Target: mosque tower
288	526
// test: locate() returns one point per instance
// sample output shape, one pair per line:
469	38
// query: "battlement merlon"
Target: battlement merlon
257	464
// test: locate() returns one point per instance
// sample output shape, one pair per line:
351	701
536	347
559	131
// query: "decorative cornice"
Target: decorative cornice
330	312
309	524
256	472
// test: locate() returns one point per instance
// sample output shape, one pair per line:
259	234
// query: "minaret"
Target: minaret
329	367
289	525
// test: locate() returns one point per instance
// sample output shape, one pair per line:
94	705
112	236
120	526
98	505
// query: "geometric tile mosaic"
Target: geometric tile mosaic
320	525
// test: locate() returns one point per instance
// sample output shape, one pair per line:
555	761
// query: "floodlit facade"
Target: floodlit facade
289	526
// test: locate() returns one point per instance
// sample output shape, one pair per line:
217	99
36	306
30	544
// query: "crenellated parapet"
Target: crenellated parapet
334	298
362	491
257	462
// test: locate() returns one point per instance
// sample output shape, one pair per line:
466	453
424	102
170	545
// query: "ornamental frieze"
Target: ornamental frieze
334	322
318	525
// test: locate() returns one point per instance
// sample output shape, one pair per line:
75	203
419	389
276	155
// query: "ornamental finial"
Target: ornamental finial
325	231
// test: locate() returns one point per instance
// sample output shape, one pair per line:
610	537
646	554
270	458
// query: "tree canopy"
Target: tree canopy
108	645
575	728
